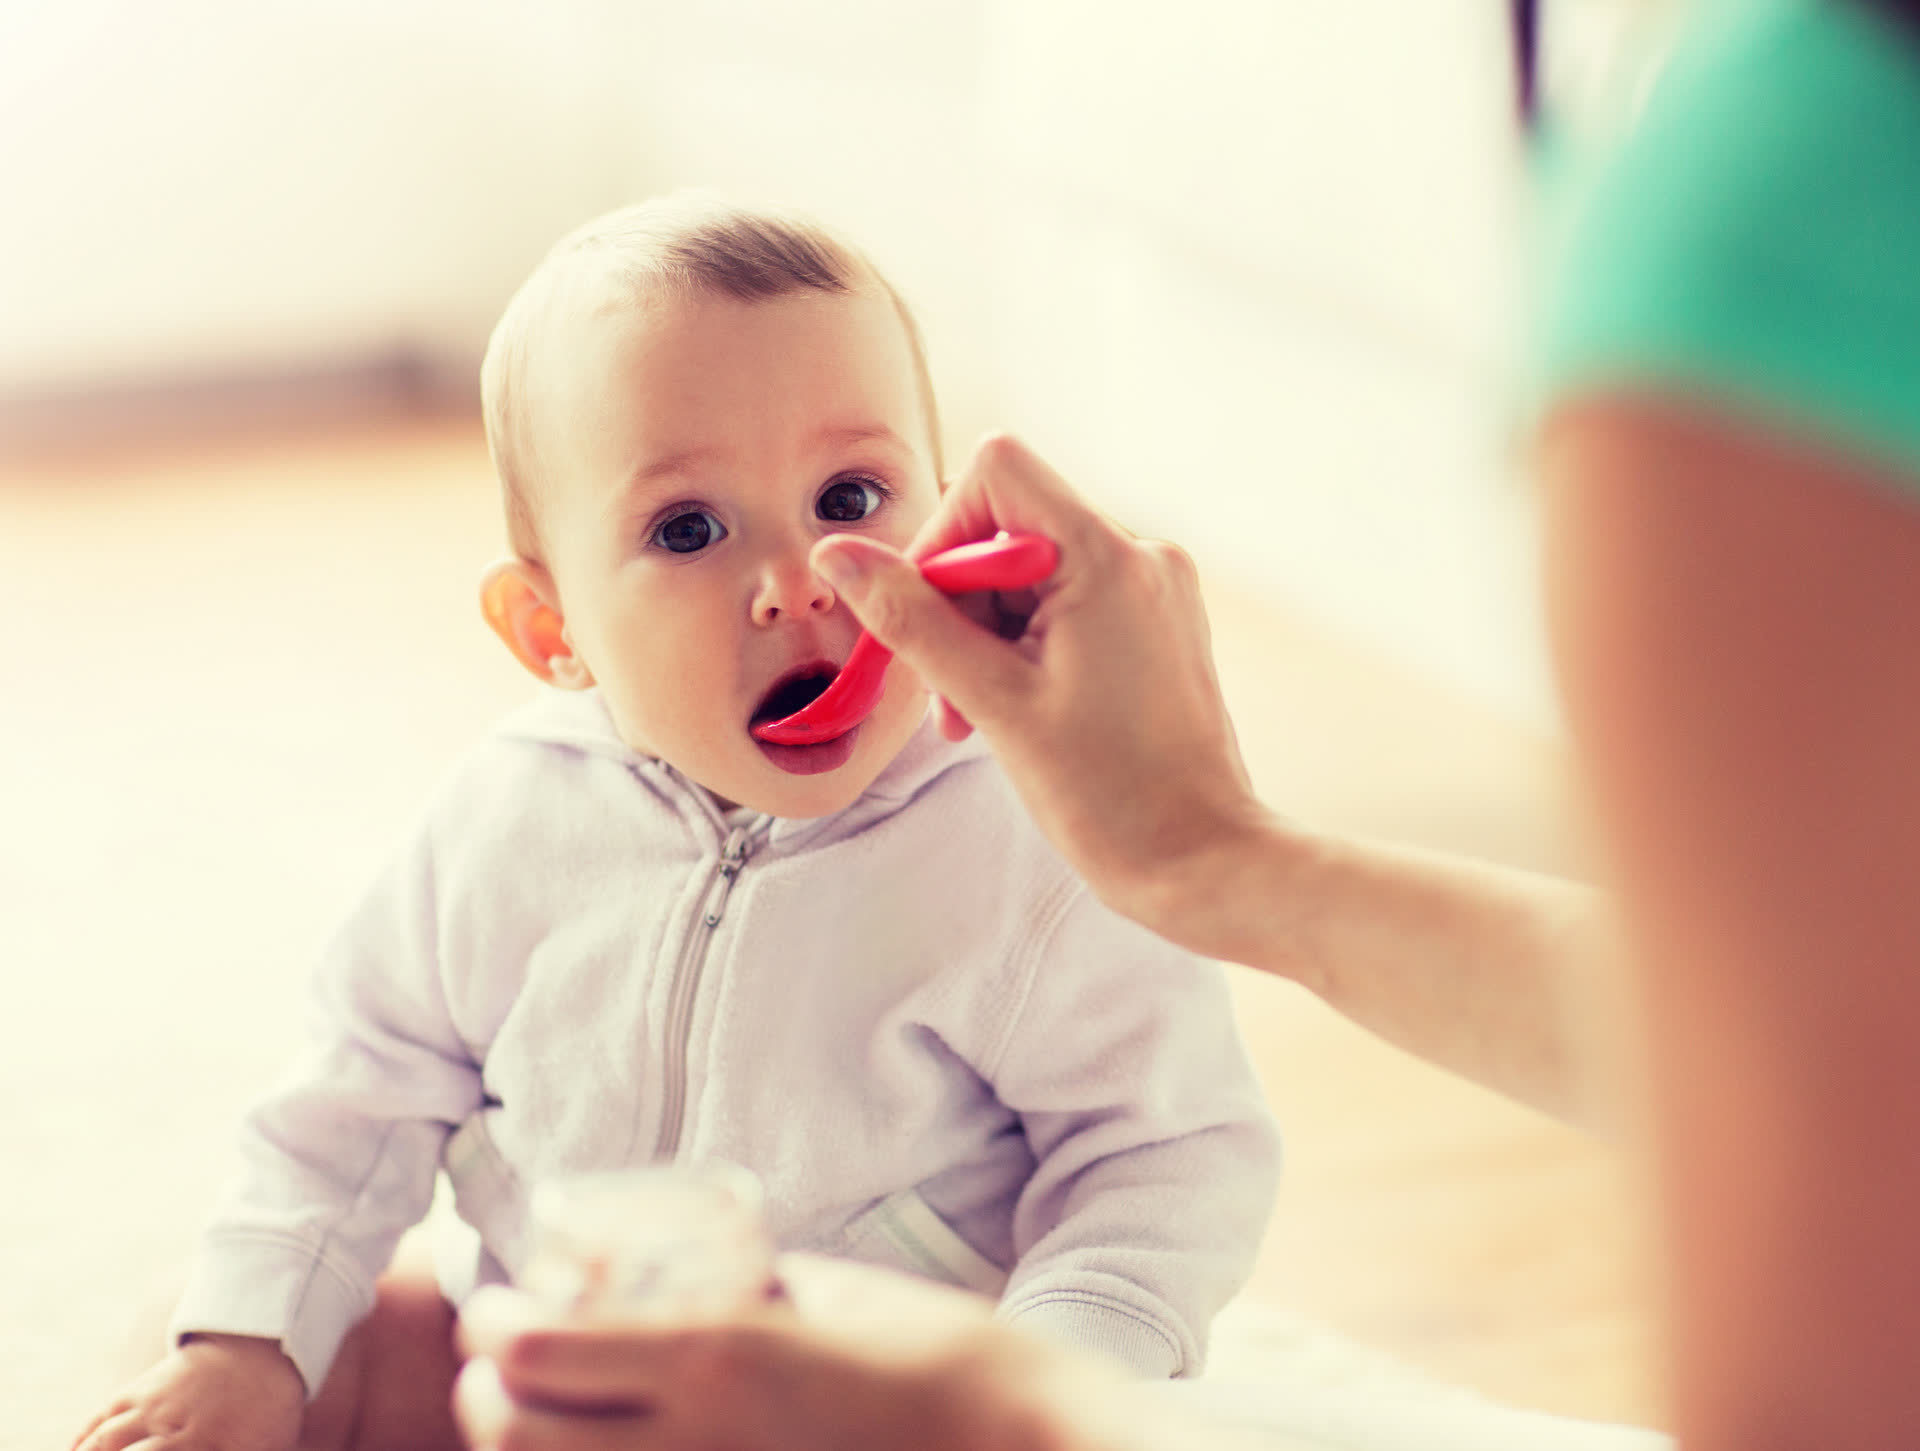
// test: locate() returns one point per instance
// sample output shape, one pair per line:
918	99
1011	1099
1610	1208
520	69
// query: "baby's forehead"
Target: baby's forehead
662	372
593	340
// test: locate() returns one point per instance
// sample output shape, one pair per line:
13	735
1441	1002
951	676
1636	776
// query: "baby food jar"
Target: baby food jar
664	1242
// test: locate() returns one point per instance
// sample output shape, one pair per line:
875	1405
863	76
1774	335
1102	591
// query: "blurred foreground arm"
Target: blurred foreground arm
1738	621
1108	717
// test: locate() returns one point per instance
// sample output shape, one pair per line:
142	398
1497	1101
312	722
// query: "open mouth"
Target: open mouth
795	690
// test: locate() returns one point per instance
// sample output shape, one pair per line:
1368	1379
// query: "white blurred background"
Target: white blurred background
1241	267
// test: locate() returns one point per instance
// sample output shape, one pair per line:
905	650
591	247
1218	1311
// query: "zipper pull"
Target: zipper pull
733	856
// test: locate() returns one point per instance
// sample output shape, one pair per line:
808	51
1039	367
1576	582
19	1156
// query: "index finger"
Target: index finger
1006	485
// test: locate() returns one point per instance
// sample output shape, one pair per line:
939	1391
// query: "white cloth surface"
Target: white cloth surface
1285	1384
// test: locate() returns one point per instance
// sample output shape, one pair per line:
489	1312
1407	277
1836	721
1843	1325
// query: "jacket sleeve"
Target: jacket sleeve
1157	1154
340	1159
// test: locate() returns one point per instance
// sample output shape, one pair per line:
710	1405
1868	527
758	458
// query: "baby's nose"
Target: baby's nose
788	586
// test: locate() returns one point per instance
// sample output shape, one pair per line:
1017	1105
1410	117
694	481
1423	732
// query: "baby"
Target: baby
629	932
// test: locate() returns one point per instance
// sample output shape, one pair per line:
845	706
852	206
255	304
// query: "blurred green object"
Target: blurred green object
1754	237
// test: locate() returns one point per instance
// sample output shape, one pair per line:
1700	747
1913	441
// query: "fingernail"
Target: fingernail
845	570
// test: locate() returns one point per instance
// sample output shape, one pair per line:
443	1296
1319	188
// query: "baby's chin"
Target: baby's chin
802	782
821	791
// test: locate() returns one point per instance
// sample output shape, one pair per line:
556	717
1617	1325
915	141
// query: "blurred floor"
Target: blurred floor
233	670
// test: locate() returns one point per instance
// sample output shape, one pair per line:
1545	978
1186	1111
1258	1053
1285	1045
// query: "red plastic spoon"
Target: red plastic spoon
1006	561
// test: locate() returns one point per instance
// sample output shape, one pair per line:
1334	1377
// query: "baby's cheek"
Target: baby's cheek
630	722
664	701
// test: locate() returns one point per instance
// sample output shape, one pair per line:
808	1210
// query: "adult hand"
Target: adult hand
1106	713
861	1358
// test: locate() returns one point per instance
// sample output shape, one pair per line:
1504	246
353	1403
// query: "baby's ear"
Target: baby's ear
520	603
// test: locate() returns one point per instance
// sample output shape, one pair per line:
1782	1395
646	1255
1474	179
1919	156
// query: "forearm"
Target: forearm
1477	968
1151	804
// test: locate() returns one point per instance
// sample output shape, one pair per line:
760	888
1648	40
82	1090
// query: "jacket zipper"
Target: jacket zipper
686	984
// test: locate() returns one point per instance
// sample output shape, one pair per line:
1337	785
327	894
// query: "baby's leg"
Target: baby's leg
391	1386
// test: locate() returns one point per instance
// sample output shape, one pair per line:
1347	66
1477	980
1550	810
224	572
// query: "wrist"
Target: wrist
1239	892
1012	1393
255	1348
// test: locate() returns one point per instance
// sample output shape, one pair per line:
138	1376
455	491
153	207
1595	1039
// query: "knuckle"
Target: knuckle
1000	452
883	618
891	618
1172	561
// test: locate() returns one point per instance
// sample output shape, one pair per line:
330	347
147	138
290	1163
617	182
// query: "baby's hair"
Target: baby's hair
684	243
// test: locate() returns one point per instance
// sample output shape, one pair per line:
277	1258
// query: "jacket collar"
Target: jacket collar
579	721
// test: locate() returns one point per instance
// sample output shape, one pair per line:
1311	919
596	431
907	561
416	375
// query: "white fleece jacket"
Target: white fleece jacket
910	1019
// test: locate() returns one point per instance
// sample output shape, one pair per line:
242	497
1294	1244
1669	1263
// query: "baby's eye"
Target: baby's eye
689	533
848	501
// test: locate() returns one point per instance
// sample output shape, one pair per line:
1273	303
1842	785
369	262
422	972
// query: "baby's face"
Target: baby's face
697	449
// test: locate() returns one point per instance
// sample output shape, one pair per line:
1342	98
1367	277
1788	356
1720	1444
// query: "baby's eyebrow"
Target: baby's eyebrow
651	477
842	436
671	466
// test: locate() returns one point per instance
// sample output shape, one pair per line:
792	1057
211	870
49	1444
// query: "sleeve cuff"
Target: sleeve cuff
1094	1323
277	1291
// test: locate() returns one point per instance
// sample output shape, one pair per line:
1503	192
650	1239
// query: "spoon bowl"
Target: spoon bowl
1006	561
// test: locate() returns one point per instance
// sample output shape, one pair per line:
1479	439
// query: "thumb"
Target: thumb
971	666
